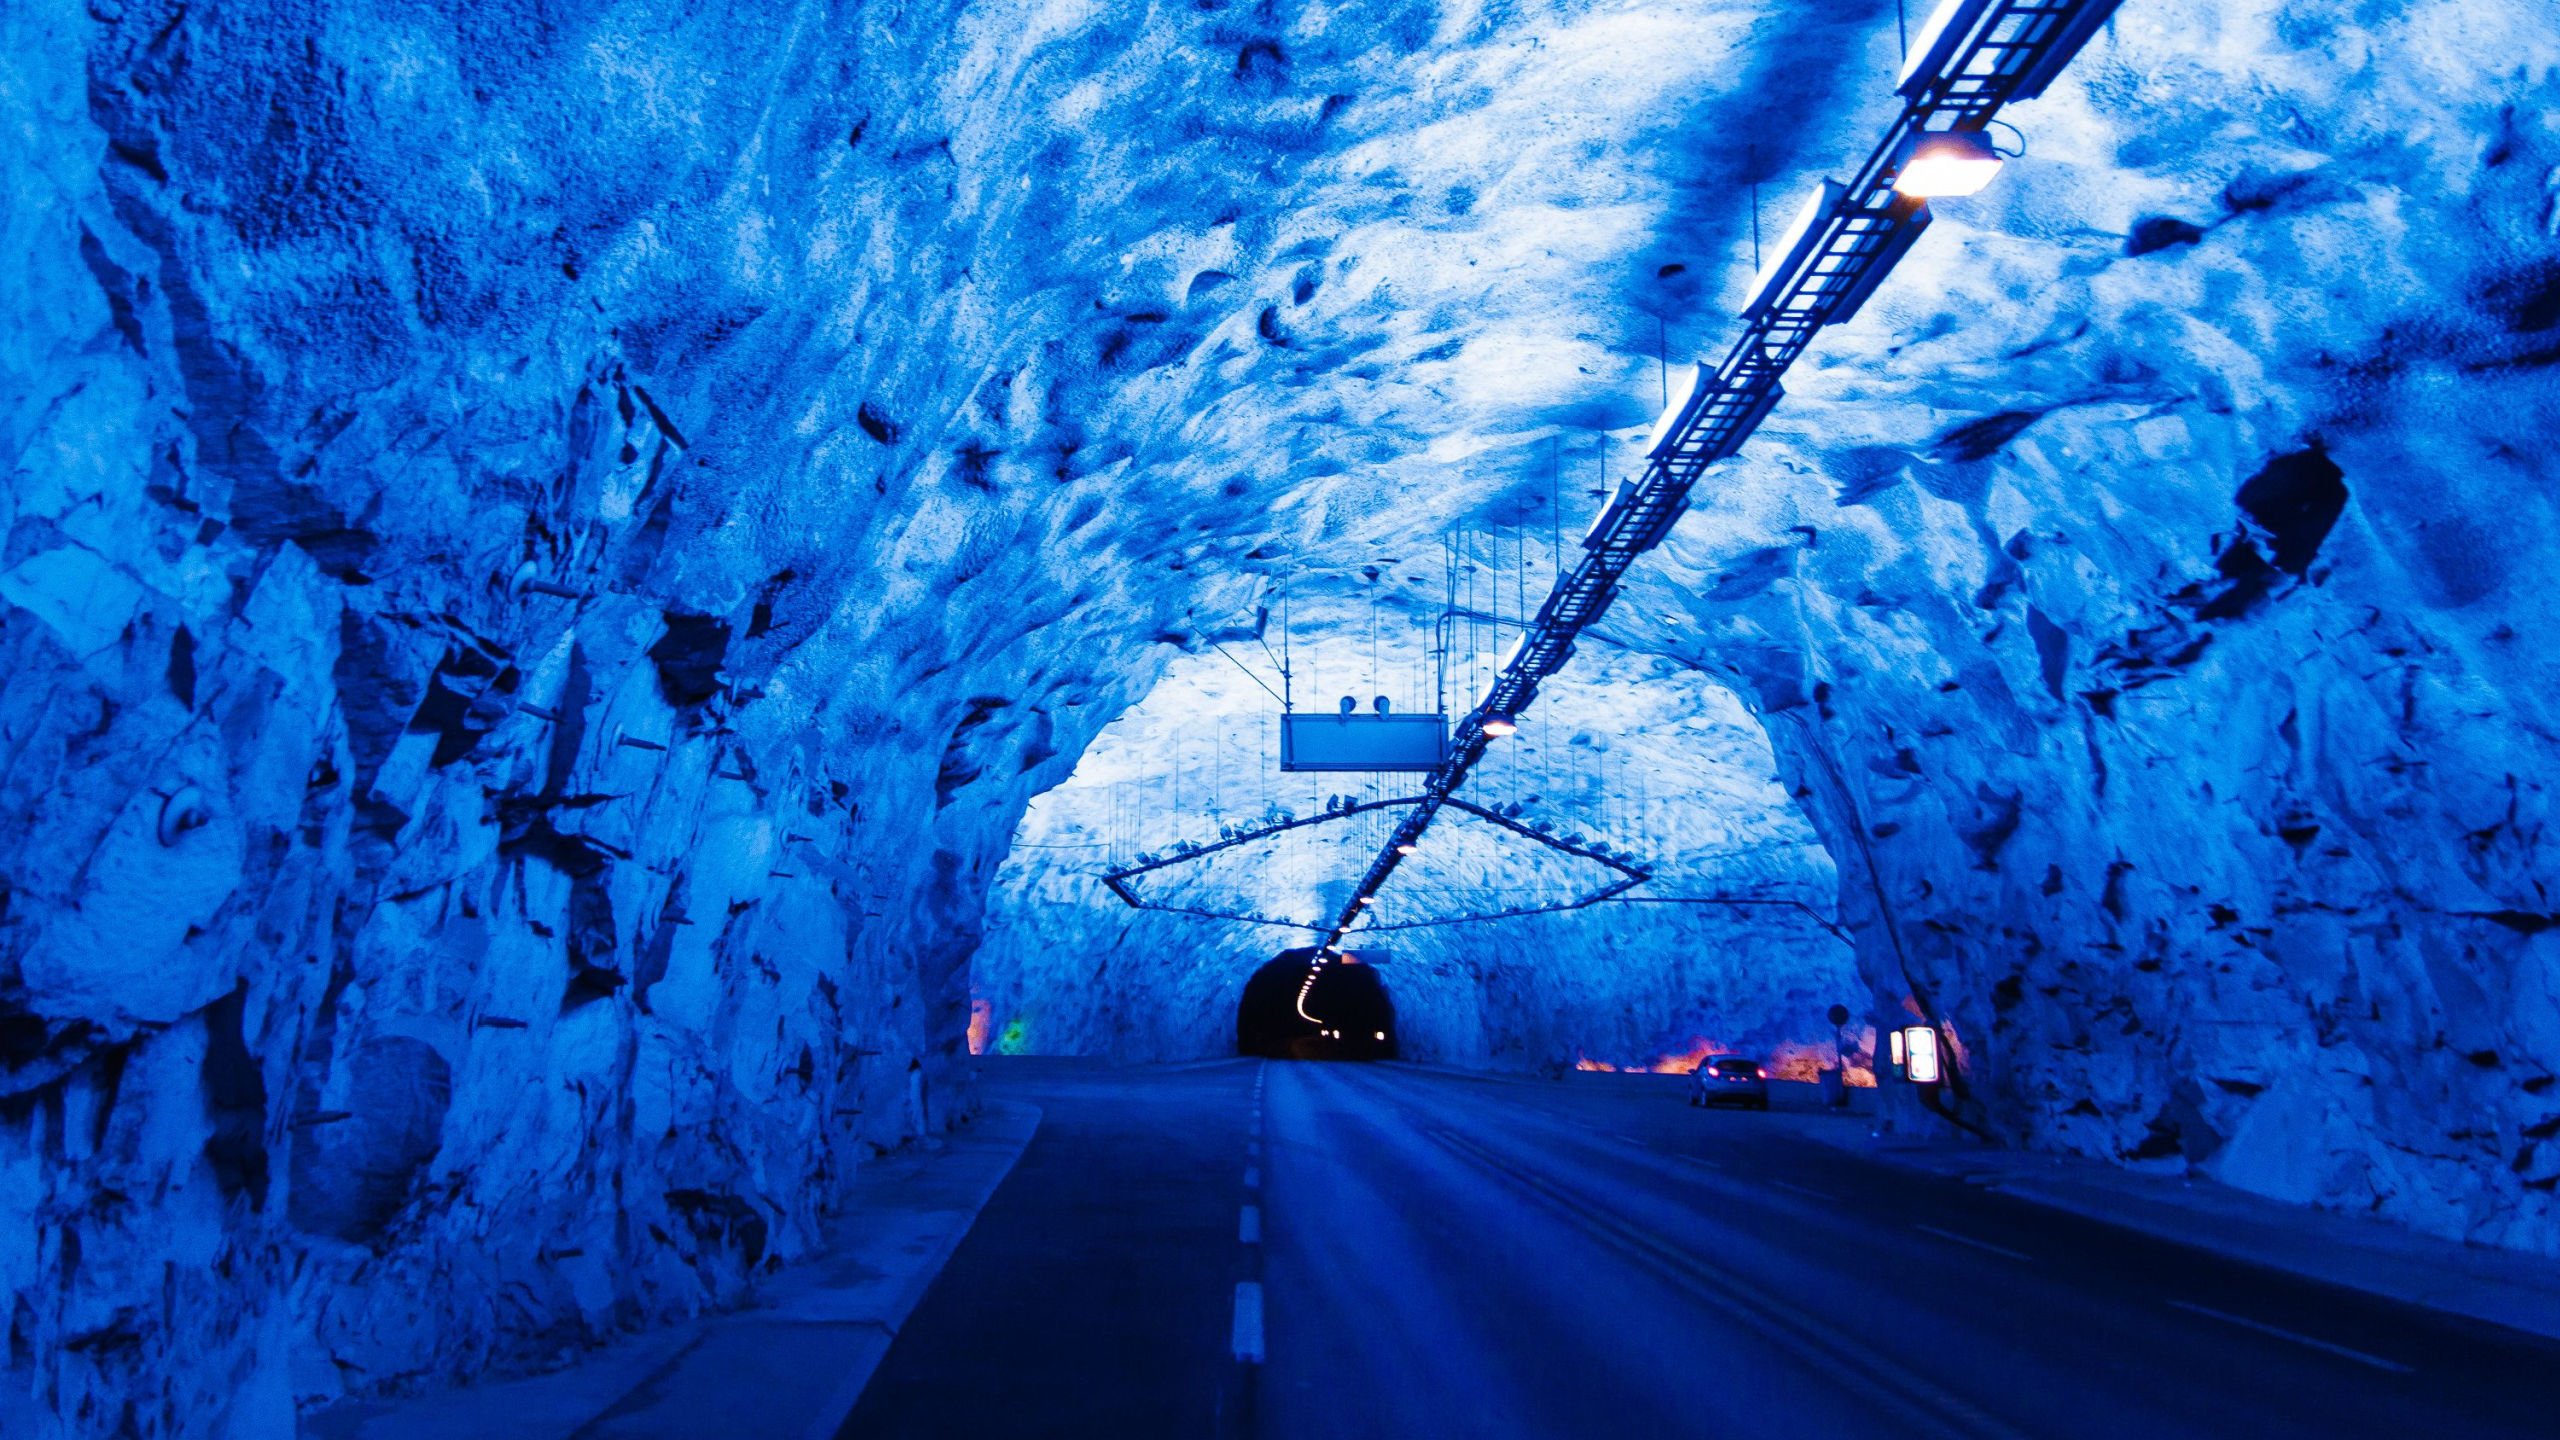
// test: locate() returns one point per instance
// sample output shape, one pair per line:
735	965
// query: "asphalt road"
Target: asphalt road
1439	1255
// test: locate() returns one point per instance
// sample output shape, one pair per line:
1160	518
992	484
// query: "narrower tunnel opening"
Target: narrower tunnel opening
1345	1014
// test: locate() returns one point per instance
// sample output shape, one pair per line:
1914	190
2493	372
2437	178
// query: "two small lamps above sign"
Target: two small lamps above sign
1915	1054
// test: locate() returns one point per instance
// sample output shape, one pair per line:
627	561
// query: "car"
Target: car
1729	1080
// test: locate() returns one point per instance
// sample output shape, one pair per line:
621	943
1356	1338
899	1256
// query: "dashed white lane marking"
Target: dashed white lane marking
1252	1149
2341	1351
1253	1177
1800	1190
1247	1341
1249	1228
1702	1164
1976	1244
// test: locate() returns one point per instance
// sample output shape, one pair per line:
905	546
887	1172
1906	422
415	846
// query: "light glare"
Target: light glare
1948	163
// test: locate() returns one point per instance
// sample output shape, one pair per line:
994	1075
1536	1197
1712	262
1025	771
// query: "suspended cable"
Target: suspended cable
1248	670
1754	162
1287	589
1555	501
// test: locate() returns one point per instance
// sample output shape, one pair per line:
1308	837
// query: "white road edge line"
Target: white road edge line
1247	1342
1249	1225
2341	1351
1800	1190
1976	1244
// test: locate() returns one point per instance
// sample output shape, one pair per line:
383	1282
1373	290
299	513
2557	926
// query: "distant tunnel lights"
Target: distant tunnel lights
1947	162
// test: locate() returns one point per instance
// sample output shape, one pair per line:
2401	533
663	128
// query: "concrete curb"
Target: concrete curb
2514	1289
792	1365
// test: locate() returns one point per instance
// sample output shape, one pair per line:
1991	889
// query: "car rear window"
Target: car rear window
1737	1067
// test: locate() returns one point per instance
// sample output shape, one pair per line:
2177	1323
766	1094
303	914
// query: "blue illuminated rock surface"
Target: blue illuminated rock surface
409	969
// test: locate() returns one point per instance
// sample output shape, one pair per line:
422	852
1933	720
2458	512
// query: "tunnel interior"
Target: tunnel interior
587	599
1661	763
1298	1007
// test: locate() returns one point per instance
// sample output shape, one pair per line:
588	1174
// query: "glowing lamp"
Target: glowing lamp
1382	1034
1918	1045
1499	726
1368	899
1407	848
1947	162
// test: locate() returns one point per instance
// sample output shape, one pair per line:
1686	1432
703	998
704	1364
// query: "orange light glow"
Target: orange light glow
1686	1060
1788	1060
982	1020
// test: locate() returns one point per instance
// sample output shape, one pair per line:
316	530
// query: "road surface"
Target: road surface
1401	1252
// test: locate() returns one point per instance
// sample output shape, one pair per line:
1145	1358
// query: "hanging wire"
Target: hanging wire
1754	162
1287	588
1247	669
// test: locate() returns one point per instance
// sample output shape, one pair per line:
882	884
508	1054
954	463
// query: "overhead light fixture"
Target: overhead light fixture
1407	848
1940	39
1937	163
1499	726
1610	514
1801	243
1368	899
1696	383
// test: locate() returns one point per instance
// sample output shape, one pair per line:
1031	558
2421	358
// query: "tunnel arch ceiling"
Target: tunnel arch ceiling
2093	727
1655	760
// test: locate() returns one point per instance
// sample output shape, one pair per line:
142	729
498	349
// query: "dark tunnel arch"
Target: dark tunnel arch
1355	1018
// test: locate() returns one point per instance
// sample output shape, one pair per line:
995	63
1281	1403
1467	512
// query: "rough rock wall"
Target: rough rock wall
2144	605
518	668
